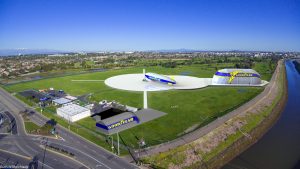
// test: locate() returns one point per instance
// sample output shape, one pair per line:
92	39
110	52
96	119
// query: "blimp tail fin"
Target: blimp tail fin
144	75
172	77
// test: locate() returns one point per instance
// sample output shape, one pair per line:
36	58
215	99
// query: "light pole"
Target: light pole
11	127
145	100
44	153
41	107
112	143
118	143
69	122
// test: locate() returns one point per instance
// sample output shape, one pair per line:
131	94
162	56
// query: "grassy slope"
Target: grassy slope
193	107
264	70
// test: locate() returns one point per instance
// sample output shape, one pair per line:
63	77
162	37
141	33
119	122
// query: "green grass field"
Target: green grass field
30	126
186	109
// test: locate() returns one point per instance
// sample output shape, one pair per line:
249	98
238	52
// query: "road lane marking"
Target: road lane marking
86	155
45	165
48	149
26	157
36	152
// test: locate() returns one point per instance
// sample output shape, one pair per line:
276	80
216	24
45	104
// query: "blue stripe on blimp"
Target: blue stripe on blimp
228	74
160	80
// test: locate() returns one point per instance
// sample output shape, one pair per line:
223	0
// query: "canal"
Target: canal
279	148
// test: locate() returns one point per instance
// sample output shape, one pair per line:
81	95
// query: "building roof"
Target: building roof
72	109
117	123
116	118
139	117
70	97
61	101
241	70
237	72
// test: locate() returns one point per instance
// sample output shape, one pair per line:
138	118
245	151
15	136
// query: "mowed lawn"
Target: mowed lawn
186	109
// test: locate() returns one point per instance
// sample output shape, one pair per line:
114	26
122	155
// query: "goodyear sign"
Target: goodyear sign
236	73
118	123
244	75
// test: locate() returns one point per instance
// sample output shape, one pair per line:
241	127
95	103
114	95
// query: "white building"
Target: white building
73	112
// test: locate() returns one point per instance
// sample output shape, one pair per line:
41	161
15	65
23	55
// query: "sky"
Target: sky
131	25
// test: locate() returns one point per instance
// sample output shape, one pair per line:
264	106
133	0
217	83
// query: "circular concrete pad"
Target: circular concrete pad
134	82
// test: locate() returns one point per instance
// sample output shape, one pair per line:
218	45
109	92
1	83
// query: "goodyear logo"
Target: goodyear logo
244	75
232	76
120	123
238	74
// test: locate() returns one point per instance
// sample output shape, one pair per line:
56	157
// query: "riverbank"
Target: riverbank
297	65
258	132
229	139
279	148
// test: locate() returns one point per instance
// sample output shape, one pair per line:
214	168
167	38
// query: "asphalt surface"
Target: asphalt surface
8	160
87	154
12	120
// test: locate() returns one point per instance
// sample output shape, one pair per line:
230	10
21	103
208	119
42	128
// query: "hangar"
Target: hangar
237	77
112	117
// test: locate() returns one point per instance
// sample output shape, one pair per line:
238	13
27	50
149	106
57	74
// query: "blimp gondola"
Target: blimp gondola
160	78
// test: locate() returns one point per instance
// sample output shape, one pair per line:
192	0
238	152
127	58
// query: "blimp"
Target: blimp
160	78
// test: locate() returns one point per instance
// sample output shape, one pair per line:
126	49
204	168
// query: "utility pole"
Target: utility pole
145	100
44	153
11	127
118	143
12	124
112	143
40	103
69	122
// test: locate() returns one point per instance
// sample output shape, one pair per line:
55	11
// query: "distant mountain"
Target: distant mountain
183	50
12	52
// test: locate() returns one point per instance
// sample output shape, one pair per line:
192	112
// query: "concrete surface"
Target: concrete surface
134	82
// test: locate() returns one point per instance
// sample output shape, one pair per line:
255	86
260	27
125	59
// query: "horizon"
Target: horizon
27	52
13	52
150	26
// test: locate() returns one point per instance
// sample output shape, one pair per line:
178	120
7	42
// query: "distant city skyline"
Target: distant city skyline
132	25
